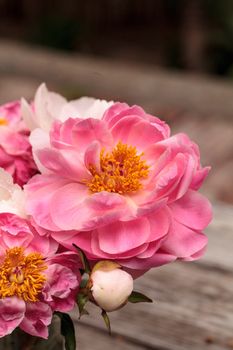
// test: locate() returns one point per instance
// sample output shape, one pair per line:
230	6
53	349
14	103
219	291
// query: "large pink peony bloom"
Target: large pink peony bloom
34	280
121	188
15	149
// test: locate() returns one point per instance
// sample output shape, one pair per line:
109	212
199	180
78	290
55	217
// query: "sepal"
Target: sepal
137	297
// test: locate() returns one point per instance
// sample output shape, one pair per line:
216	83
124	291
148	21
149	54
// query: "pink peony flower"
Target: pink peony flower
121	188
15	149
34	279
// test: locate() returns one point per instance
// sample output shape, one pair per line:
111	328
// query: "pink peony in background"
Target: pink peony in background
115	183
15	149
35	281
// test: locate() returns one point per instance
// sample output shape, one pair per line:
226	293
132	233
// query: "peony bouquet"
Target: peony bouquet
92	195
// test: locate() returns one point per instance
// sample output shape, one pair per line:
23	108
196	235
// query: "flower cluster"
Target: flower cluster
102	180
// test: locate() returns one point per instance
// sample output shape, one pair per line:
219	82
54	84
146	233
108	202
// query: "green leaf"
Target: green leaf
67	330
106	321
83	258
82	299
84	280
136	297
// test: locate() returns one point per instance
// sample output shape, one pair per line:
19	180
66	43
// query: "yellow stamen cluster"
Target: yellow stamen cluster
21	275
3	121
121	171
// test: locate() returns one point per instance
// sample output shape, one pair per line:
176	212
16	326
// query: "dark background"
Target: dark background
194	35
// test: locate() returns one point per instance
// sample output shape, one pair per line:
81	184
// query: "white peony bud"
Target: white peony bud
111	286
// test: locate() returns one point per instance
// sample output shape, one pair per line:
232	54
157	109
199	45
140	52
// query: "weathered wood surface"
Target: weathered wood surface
193	308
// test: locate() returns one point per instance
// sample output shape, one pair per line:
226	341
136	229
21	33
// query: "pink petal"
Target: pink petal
187	177
15	231
89	130
68	164
183	242
100	254
39	192
158	259
192	210
73	208
199	177
11	314
121	236
168	179
160	221
61	133
113	113
61	280
37	318
81	239
92	155
136	132
150	250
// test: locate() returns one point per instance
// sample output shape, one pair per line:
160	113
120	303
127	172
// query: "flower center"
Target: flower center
121	171
21	275
3	121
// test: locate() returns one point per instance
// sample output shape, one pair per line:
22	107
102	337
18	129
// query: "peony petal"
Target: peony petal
158	259
192	210
61	133
120	110
129	130
85	107
60	280
199	177
92	155
73	208
11	314
39	192
120	237
37	318
39	139
183	242
89	130
98	252
47	106
28	115
160	221
67	164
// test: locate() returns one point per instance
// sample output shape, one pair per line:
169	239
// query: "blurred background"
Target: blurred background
174	58
194	35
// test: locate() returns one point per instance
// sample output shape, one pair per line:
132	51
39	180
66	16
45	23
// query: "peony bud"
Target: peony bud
111	286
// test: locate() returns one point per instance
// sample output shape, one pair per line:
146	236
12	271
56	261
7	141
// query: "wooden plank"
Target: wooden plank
193	308
92	338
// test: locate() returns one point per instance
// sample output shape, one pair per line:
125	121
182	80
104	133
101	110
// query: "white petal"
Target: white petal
39	139
28	115
11	195
84	107
47	106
